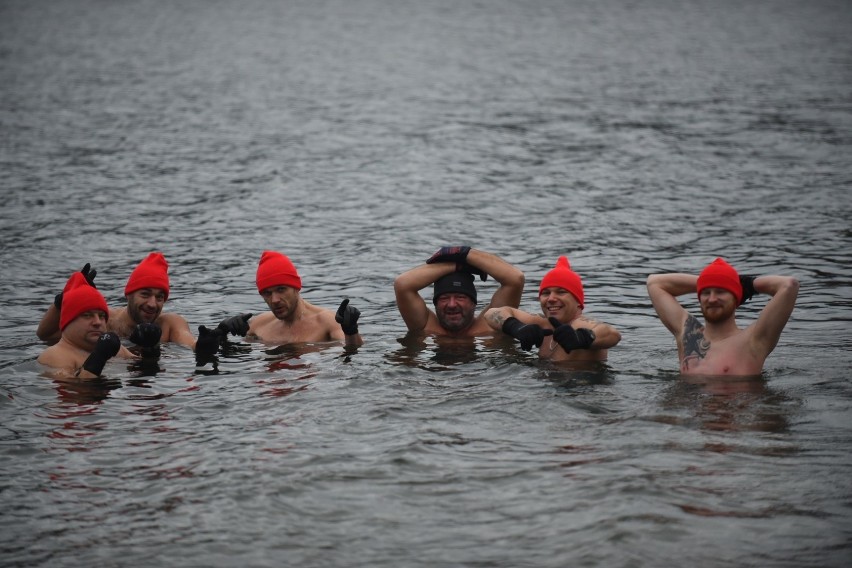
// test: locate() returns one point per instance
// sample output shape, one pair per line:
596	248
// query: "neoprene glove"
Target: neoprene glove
470	269
449	254
747	282
105	349
569	338
146	335
207	345
88	273
347	316
235	325
528	334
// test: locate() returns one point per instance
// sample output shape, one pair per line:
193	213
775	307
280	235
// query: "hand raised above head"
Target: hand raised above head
747	282
449	254
88	273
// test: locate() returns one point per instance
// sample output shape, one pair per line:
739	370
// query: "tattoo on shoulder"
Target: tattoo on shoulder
695	345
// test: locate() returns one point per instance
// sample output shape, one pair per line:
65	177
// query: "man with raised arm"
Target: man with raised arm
142	320
720	347
291	318
572	336
84	344
451	270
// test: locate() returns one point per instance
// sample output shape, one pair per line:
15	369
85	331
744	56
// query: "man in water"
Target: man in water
291	318
142	320
84	345
573	336
451	270
720	347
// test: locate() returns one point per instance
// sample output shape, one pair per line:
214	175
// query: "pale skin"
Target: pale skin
292	319
720	347
457	310
77	341
559	303
143	306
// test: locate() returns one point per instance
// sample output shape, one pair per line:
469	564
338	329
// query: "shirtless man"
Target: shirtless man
142	320
451	270
720	347
84	345
574	337
293	319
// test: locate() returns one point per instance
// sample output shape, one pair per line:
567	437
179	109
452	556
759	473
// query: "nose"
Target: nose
99	319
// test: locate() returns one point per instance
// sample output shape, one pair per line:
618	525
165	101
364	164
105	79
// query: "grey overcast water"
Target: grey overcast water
358	136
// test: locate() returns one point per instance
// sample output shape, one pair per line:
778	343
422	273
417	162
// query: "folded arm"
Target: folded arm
663	289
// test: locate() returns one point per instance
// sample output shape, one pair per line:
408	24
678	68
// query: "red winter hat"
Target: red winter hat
78	297
152	272
720	274
275	269
563	277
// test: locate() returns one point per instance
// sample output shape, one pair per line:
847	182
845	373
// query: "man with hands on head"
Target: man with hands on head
142	320
84	345
572	336
720	347
291	318
452	270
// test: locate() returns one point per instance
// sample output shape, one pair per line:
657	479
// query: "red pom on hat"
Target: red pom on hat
152	272
275	269
563	277
720	274
78	297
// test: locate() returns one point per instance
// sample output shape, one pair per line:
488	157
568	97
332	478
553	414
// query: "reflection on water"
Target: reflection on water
729	403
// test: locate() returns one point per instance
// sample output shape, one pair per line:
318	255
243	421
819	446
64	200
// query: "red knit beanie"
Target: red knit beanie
78	297
152	272
563	277
720	274
275	269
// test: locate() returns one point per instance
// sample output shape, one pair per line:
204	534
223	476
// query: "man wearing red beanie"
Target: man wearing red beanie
85	345
291	318
572	336
720	347
451	270
142	320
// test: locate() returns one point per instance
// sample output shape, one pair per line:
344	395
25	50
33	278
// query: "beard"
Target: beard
456	321
718	314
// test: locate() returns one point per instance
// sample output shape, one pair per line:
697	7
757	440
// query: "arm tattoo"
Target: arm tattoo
498	319
695	345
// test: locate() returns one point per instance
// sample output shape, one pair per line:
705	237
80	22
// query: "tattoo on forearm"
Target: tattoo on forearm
695	345
497	319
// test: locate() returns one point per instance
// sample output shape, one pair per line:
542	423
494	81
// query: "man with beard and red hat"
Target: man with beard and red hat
451	270
291	318
142	320
562	333
720	347
84	345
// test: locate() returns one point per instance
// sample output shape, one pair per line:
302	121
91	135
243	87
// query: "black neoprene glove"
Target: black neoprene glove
88	273
235	325
105	349
207	344
146	335
747	282
528	334
569	338
449	254
470	269
347	316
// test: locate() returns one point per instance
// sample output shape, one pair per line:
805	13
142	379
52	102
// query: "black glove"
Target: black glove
569	338
88	274
146	335
347	316
747	282
449	254
207	344
528	334
105	349
236	325
470	269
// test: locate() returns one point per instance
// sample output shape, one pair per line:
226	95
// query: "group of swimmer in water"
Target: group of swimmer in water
85	333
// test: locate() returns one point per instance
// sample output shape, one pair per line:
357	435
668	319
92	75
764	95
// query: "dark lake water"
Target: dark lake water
357	137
